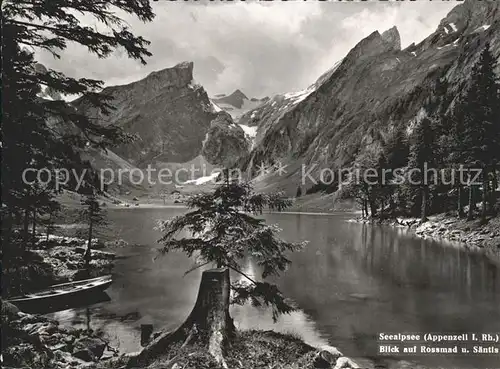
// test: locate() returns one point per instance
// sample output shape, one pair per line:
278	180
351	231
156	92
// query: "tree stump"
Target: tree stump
208	323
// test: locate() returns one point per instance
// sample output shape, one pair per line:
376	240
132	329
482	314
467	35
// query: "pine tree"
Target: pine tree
48	221
383	188
367	189
222	232
95	217
396	151
421	160
41	134
477	125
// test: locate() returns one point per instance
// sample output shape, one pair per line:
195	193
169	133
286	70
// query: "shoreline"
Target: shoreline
431	229
36	341
468	235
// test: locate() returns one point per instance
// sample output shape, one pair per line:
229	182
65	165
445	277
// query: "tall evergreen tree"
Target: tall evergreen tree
42	134
222	231
395	152
477	125
396	149
95	216
48	221
421	161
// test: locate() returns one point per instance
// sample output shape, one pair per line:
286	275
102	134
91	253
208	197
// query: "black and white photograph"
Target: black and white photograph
250	184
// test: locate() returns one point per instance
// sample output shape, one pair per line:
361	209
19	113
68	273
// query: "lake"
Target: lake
352	282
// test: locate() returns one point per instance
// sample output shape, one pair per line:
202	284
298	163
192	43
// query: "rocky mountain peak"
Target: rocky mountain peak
469	16
236	99
239	94
179	75
375	44
392	37
375	88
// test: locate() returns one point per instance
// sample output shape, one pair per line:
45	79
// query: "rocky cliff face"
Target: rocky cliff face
374	90
225	142
167	111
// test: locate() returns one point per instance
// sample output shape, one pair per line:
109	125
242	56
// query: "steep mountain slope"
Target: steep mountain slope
263	116
167	111
225	142
374	90
237	103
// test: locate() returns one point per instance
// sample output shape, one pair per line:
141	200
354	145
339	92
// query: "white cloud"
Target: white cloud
261	48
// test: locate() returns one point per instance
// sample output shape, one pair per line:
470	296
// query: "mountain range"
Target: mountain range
349	112
375	90
175	123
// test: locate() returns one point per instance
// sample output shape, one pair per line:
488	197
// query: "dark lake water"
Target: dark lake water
351	282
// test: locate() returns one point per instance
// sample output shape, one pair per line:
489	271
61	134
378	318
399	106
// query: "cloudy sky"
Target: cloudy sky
261	48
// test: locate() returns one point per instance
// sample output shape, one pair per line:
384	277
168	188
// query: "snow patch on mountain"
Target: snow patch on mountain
202	180
215	107
299	96
454	43
249	131
482	28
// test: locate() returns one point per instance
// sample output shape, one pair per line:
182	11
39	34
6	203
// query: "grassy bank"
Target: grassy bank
37	342
249	350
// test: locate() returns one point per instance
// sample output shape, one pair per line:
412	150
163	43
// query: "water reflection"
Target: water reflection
351	282
357	280
297	323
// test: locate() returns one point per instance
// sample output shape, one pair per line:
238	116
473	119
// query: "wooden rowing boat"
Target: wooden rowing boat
62	295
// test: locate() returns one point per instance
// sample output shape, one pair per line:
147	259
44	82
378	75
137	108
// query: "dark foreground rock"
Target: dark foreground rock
33	341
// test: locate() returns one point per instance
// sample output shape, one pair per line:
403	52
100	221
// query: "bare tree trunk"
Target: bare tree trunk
33	230
88	252
26	226
484	204
470	214
7	222
460	209
209	321
494	185
423	214
373	207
